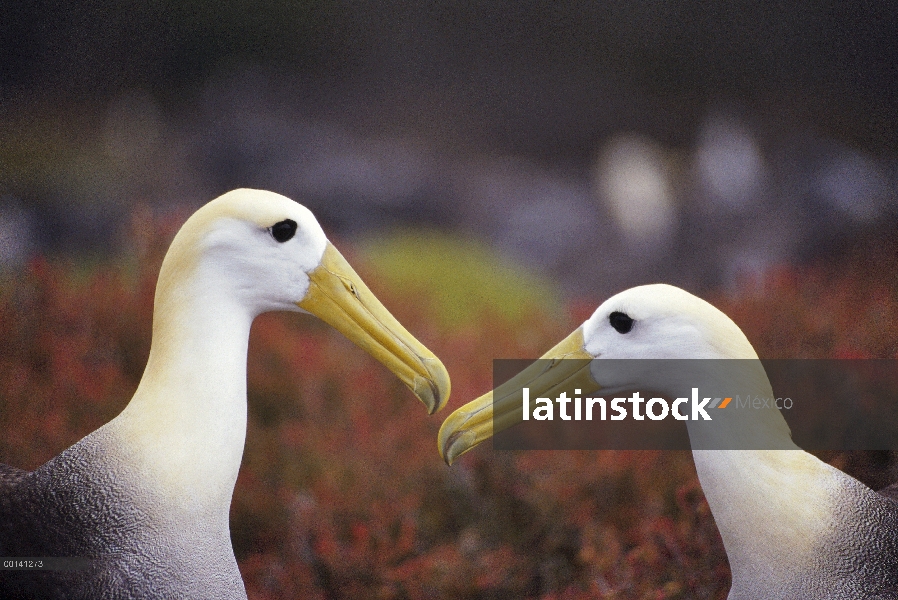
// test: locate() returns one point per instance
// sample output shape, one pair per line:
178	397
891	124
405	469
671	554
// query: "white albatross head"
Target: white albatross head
646	322
662	322
258	251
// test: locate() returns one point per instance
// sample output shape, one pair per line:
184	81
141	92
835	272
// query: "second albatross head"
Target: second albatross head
268	252
646	322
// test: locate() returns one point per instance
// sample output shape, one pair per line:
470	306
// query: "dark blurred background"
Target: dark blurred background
603	144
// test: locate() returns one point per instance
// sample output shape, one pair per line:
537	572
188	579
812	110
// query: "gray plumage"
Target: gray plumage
857	560
87	503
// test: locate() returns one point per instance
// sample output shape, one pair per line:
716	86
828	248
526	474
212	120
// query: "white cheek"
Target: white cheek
609	344
296	291
280	284
593	334
307	247
271	281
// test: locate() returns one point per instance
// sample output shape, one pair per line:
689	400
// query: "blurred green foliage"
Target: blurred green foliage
462	280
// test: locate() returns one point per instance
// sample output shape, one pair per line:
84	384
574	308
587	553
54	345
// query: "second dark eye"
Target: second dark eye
621	322
284	230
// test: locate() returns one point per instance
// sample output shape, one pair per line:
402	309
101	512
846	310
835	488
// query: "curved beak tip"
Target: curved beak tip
433	390
455	445
456	436
448	457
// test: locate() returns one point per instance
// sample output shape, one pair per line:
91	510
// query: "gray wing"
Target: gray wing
63	509
84	503
19	537
10	479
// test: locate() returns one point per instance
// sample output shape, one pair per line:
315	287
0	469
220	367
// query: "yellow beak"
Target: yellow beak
338	297
480	419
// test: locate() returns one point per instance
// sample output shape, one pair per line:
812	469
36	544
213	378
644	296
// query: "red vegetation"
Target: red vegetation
342	493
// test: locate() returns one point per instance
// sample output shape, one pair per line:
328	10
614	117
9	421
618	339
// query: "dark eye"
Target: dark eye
621	322
284	230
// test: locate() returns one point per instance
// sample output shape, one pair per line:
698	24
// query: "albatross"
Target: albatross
793	526
144	499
